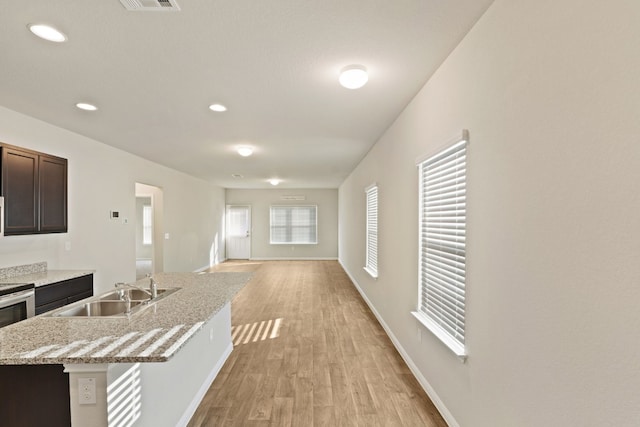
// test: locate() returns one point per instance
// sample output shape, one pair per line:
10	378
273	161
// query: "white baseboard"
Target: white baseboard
439	404
206	267
295	259
191	409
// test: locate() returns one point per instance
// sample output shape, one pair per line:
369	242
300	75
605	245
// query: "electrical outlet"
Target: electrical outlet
86	391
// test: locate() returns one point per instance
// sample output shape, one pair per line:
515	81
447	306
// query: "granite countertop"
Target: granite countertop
38	274
46	277
153	334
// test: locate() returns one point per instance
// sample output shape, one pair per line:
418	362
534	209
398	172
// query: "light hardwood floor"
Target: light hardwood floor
309	352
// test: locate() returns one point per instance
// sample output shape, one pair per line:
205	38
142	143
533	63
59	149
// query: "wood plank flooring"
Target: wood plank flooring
309	352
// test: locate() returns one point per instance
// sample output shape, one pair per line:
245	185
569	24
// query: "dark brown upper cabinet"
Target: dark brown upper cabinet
34	187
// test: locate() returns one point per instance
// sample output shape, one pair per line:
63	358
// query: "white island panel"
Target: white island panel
154	394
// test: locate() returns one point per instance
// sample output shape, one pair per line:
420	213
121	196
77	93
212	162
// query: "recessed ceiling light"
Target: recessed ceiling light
353	76
47	32
237	176
274	181
86	107
218	108
245	151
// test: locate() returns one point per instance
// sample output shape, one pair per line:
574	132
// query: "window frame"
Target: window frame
441	304
290	226
371	229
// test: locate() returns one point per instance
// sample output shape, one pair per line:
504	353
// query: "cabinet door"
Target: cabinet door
53	194
62	293
19	188
34	395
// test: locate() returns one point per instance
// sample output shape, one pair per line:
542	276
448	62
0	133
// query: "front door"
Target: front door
238	232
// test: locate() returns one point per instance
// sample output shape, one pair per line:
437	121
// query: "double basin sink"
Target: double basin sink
118	303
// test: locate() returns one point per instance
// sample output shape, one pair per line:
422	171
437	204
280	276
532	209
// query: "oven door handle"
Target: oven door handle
10	299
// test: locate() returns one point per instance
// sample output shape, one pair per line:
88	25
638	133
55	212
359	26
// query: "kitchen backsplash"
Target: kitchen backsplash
19	270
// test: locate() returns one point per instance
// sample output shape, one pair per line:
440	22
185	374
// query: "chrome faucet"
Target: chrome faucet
153	287
152	292
127	301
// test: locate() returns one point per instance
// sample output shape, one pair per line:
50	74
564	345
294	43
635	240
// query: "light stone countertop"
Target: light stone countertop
46	277
154	334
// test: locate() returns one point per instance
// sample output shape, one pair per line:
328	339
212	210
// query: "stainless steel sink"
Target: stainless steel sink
111	304
98	309
135	294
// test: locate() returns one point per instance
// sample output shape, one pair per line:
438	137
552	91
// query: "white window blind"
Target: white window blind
443	244
294	225
371	261
147	225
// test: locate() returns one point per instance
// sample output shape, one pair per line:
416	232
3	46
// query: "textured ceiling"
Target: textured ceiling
274	64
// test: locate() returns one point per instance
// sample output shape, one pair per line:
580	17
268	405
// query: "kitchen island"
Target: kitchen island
151	368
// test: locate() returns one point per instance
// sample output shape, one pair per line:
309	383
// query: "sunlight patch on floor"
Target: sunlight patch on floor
254	332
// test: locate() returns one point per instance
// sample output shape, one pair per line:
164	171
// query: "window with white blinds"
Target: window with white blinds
294	225
371	261
441	306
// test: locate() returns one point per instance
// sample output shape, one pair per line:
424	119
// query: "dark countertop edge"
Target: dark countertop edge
9	288
91	361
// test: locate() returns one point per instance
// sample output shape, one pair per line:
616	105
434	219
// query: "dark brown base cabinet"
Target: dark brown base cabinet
55	295
34	187
34	396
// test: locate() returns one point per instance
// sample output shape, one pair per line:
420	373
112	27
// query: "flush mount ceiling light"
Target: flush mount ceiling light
86	107
218	108
237	176
245	151
274	181
353	76
47	32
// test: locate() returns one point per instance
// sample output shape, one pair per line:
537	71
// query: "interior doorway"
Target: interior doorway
149	239
238	221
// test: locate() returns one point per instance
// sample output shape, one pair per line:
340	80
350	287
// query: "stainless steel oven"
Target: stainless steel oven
17	302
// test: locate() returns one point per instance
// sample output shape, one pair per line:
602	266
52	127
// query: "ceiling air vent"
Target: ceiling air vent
151	5
293	197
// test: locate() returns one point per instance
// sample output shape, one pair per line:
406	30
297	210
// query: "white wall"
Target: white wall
550	94
102	179
261	201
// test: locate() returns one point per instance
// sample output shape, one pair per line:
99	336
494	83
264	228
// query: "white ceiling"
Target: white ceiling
274	64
